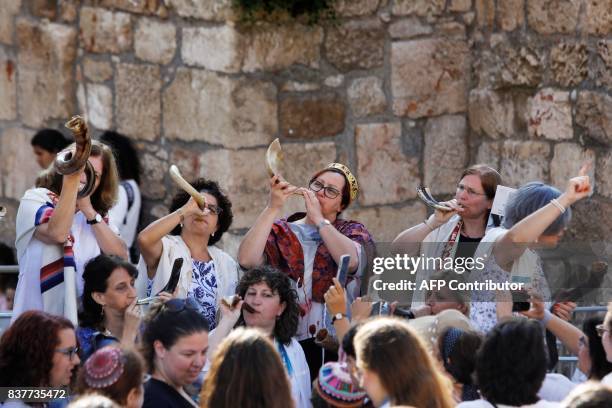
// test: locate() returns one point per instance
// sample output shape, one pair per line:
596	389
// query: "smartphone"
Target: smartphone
343	267
380	308
174	276
520	301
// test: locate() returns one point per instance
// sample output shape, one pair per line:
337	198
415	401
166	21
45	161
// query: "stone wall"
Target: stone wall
403	91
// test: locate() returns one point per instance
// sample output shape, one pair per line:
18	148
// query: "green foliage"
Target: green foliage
310	10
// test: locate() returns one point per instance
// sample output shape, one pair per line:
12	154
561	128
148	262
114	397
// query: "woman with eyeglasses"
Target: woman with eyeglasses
116	373
208	273
603	330
308	246
38	350
57	233
592	359
174	346
270	304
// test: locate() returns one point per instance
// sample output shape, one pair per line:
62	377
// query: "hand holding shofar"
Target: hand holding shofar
274	162
69	161
175	174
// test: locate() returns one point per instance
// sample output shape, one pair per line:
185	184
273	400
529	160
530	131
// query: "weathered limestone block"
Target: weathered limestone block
569	63
460	5
419	7
7	226
408	28
598	17
429	77
46	57
509	66
100	106
385	173
105	31
356	45
567	160
215	10
8	87
18	168
302	160
553	16
312	116
485	13
297	86
591	222
154	162
492	113
510	14
594	113
214	48
366	96
138	6
137	94
97	71
603	180
188	161
446	153
522	162
451	29
385	222
602	67
8	11
200	105
154	41
489	153
352	8
550	115
69	10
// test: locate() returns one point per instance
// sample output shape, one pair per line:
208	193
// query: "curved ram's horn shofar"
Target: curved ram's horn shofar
425	196
274	158
69	161
175	174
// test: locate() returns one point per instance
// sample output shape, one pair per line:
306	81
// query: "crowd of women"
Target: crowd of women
275	327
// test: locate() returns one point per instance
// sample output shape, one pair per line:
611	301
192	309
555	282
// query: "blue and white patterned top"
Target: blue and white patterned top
204	290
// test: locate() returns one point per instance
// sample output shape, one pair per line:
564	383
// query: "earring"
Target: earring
213	234
102	311
181	224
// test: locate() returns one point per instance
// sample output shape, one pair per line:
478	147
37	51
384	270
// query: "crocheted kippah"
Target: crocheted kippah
334	385
104	367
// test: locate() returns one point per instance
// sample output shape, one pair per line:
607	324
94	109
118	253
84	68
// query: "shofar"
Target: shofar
175	174
69	161
425	196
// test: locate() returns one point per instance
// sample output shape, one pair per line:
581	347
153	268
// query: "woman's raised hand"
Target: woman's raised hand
280	190
335	298
192	208
441	217
578	187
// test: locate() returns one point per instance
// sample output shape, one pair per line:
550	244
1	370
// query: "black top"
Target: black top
158	394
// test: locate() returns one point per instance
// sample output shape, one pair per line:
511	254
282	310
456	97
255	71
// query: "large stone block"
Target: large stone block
137	95
485	13
203	106
138	6
602	67
366	96
506	65
446	153
419	7
510	14
522	162
8	11
603	179
569	63
598	17
100	106
492	113
567	160
429	77
352	8
7	226
215	10
553	16
187	160
409	28
46	57
303	160
18	167
216	48
154	41
591	222
594	113
105	31
356	45
312	116
154	162
489	153
96	70
385	222
550	115
385	173
8	87
460	5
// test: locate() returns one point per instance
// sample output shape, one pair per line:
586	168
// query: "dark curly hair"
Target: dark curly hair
511	364
600	366
50	140
95	277
207	186
27	349
126	157
287	323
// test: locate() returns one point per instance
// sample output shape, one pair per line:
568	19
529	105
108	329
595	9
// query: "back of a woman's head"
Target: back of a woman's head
95	278
27	348
126	157
392	350
246	371
600	366
112	372
528	199
511	364
50	140
589	395
457	350
168	326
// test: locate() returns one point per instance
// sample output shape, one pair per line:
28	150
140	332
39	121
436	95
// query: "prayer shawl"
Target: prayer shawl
284	251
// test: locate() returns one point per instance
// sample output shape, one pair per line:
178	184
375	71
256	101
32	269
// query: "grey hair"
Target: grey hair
528	199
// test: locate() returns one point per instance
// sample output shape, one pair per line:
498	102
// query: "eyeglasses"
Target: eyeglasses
471	192
68	351
601	329
328	191
215	209
178	305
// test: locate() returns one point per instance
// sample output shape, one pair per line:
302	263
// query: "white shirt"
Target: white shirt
120	213
485	404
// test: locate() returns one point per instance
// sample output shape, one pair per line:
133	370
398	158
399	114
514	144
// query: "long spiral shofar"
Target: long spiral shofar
425	196
175	174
